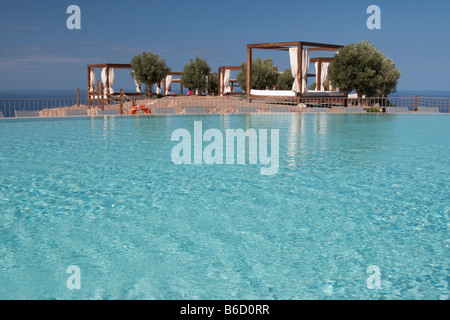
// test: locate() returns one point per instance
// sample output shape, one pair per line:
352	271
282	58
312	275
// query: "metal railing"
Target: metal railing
8	107
228	104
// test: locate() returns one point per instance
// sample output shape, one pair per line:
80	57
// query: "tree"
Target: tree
148	69
285	80
194	74
365	69
264	74
214	83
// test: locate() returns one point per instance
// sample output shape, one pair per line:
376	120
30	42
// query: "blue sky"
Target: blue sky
37	50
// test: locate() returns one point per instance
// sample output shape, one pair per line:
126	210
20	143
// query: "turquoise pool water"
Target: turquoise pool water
103	194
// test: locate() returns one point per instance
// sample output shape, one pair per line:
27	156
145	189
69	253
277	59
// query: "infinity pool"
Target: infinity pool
102	193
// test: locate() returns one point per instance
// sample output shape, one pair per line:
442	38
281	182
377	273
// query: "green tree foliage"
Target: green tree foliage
313	86
148	69
364	68
214	83
194	74
264	74
285	80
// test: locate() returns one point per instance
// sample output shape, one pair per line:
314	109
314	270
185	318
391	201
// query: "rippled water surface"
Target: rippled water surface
103	194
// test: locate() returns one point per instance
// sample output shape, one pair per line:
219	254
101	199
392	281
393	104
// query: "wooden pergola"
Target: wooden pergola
101	88
284	46
178	74
173	81
232	82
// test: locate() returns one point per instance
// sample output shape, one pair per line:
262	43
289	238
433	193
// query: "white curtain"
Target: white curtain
226	79
207	84
324	74
317	75
168	84
294	68
111	80
92	83
305	68
104	79
158	88
138	85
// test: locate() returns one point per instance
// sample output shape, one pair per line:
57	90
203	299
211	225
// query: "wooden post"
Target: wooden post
98	93
249	73
319	76
121	101
102	91
88	87
78	97
221	82
300	70
107	86
416	102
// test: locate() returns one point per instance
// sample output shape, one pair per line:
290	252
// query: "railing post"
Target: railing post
102	96
78	97
98	93
121	101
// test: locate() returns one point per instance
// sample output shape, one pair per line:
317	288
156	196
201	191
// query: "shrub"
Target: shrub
148	69
365	69
214	83
285	80
194	74
264	74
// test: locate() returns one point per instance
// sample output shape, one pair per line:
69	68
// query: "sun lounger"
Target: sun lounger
247	110
428	109
27	114
195	110
353	109
397	110
279	109
318	110
76	113
164	110
107	112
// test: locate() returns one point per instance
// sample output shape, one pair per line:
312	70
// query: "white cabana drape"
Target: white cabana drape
305	68
324	74
207	85
226	80
104	79
294	68
168	84
138	85
157	88
92	79
111	80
